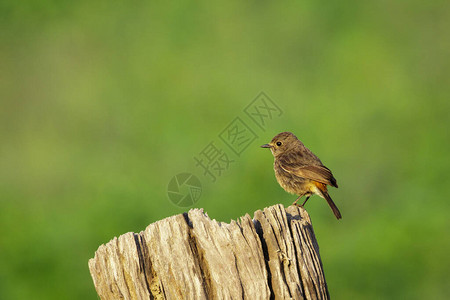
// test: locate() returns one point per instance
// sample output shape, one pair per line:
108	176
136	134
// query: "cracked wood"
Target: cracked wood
275	255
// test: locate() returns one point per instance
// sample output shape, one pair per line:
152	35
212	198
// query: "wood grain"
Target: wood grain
275	255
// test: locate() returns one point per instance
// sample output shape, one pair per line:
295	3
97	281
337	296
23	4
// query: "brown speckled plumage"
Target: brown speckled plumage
299	171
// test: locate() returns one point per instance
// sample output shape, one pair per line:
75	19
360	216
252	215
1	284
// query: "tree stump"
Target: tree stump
275	255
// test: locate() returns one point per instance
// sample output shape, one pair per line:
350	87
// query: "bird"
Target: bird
299	171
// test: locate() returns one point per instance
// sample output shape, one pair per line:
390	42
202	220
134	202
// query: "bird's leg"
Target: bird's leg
305	201
295	202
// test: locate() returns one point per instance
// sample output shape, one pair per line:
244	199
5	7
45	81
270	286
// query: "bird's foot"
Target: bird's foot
296	204
296	200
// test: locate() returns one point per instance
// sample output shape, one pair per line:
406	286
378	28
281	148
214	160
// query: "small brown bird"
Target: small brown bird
299	171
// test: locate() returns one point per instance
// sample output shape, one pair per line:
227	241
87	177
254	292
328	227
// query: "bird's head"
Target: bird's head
282	143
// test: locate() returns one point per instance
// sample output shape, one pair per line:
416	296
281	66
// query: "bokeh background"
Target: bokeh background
103	102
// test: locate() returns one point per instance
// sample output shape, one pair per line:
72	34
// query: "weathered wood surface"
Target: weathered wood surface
275	255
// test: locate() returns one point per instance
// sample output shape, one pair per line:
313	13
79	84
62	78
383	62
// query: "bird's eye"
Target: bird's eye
278	143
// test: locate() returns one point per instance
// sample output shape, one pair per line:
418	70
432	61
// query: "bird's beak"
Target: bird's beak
266	146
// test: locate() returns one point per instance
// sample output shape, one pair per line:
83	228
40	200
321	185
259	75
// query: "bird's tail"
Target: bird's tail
333	206
323	190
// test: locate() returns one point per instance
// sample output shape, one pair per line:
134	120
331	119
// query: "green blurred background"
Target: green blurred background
102	103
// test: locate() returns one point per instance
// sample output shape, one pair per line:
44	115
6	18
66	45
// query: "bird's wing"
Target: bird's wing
314	172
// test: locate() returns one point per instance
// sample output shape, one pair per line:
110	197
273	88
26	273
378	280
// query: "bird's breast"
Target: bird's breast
291	183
